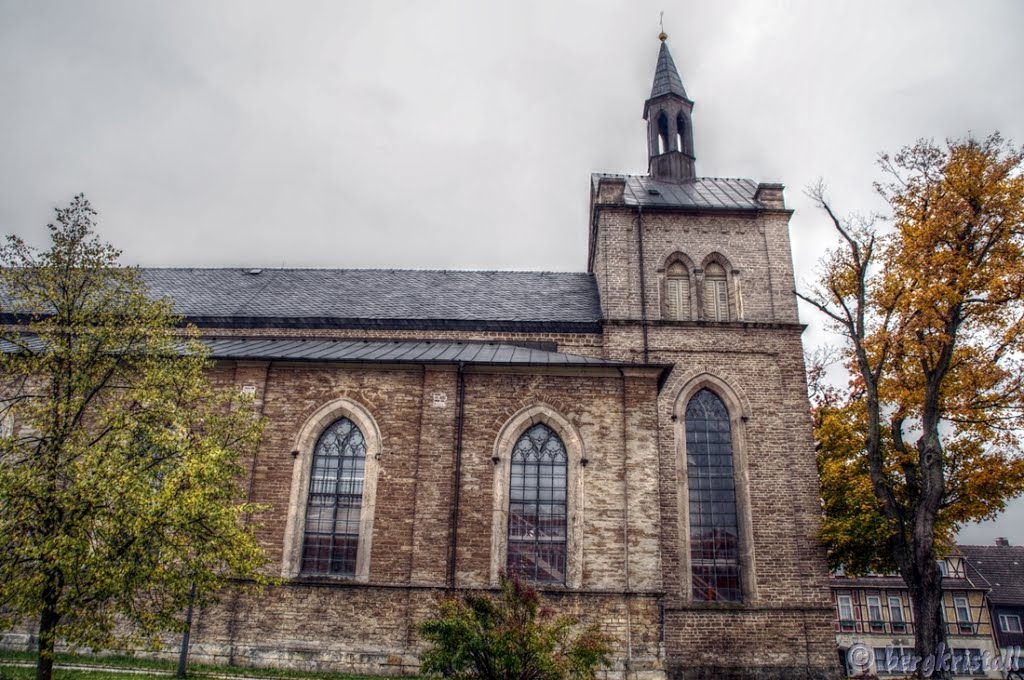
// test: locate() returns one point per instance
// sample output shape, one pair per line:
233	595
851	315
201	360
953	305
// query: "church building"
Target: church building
635	439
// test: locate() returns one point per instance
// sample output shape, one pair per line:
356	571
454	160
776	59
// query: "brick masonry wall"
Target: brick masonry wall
755	247
763	369
782	628
330	623
373	630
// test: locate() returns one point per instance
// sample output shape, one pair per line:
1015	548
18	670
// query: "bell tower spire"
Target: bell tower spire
669	130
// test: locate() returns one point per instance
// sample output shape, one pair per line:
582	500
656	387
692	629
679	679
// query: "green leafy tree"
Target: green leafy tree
119	463
511	637
926	438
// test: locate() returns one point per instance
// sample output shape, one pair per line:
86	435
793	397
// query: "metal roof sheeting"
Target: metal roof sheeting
666	76
368	351
715	193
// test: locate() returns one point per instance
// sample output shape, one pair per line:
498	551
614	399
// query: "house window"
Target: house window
845	603
967	662
963	613
1009	623
896	613
714	530
943	568
716	293
893	660
875	611
537	506
677	292
334	504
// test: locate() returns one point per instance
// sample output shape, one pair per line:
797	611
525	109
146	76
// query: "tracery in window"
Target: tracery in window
677	292
334	504
537	506
716	293
714	529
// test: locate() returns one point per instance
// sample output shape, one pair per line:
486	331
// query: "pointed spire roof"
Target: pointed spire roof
666	77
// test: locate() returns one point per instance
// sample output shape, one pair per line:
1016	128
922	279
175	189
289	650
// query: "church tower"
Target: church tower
669	128
696	273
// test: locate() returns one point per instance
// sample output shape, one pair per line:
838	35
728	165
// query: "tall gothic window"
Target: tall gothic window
716	293
677	292
714	531
537	506
335	501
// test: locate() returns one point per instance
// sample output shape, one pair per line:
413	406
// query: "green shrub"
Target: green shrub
510	637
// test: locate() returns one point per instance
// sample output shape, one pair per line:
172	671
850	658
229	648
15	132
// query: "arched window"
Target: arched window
537	506
716	293
680	132
662	133
714	529
331	541
677	292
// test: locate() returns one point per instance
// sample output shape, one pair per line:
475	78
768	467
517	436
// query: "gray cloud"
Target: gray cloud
462	134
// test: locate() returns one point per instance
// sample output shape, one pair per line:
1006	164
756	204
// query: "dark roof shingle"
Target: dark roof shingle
998	567
413	297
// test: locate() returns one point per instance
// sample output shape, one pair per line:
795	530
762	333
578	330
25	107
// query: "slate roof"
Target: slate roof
706	193
381	298
1000	568
666	76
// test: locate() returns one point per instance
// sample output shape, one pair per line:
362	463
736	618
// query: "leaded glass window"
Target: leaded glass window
714	531
335	501
537	506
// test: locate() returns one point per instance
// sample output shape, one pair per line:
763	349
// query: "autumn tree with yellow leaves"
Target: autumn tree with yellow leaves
931	309
120	502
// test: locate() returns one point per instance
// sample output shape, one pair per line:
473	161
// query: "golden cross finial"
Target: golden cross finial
663	36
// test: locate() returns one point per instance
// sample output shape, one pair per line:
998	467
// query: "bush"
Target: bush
511	637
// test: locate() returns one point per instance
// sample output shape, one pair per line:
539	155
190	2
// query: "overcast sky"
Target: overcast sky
463	134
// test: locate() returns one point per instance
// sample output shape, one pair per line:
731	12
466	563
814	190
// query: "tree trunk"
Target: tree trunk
48	619
926	580
930	629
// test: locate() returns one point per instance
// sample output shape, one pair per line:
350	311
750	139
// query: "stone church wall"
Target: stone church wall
371	627
754	361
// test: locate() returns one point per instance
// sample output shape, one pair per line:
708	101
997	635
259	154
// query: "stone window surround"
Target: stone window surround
696	276
304	444
507	438
691	274
739	413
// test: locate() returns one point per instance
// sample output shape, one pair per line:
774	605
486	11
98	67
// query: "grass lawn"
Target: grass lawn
140	667
19	673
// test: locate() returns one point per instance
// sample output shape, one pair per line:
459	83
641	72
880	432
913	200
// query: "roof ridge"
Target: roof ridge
670	181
